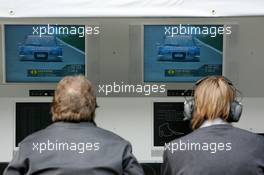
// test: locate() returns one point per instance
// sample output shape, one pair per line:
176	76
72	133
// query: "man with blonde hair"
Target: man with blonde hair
215	147
73	144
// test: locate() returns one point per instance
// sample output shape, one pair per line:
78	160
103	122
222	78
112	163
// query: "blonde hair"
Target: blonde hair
213	97
74	100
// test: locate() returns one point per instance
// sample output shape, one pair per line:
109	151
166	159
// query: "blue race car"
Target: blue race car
36	48
181	48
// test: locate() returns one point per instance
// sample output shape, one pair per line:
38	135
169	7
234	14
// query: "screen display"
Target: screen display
31	117
43	53
168	122
182	53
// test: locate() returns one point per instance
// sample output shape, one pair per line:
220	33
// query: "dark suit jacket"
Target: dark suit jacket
224	150
74	149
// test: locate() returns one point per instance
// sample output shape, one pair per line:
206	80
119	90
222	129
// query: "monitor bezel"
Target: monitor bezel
183	84
31	100
160	148
51	83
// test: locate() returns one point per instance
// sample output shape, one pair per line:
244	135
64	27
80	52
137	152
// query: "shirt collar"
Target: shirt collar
71	124
216	121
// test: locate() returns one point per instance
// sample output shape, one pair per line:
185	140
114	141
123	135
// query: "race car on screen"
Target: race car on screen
36	48
180	48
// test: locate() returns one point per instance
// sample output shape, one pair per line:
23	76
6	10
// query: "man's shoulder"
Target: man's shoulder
251	137
33	137
242	133
93	132
221	131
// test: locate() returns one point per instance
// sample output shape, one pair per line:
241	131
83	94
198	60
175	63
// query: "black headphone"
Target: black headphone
235	108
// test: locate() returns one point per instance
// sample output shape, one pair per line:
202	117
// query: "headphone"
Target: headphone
235	108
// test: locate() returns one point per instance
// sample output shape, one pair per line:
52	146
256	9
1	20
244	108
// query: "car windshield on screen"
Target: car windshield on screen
40	41
179	41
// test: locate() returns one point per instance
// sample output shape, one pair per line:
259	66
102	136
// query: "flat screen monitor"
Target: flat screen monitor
31	117
168	122
182	53
43	53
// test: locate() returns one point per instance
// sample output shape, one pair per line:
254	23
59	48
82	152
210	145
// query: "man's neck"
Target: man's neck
216	121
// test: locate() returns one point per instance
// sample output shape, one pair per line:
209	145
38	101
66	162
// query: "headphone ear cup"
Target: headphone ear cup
235	111
188	109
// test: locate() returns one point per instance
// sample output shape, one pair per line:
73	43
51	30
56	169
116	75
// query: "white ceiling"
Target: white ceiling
130	8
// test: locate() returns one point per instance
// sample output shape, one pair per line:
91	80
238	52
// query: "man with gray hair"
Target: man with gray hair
73	144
